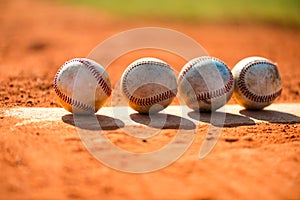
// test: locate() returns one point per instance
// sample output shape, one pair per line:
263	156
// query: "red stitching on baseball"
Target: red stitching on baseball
98	76
195	61
250	95
204	96
75	102
149	100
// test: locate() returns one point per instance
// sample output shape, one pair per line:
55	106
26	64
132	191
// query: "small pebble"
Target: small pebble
248	138
231	139
39	81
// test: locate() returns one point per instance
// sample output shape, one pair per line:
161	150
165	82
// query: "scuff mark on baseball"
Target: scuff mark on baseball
205	84
149	85
82	86
257	82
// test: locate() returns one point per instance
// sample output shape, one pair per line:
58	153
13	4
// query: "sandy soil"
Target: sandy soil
49	161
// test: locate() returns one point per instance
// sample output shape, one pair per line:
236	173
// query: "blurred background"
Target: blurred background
48	161
282	12
41	35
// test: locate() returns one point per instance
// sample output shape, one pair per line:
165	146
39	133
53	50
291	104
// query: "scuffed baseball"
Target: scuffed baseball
205	84
82	86
149	85
257	82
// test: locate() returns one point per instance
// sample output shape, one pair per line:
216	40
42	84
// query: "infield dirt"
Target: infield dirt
49	161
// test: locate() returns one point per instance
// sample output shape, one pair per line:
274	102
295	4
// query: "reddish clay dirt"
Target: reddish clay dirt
50	162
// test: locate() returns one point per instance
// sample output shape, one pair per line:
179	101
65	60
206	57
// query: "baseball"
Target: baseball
257	82
149	85
82	86
205	84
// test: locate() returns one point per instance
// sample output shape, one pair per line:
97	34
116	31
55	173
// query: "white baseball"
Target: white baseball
149	84
257	82
205	84
82	86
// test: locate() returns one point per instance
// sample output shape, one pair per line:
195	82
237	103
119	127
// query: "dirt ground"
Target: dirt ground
39	161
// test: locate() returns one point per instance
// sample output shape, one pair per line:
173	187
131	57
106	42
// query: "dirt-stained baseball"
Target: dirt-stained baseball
149	84
82	86
205	84
257	82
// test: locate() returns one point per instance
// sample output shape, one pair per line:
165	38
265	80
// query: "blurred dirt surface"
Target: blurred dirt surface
49	161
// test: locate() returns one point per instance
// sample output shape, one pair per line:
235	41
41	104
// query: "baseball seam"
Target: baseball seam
191	65
148	101
250	95
204	96
74	102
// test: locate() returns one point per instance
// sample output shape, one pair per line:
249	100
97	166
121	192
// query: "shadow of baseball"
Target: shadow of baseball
88	122
272	116
163	121
221	119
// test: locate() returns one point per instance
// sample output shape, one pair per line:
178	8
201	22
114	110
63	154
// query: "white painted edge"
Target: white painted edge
30	115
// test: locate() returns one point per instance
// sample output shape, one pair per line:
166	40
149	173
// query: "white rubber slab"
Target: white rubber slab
171	117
